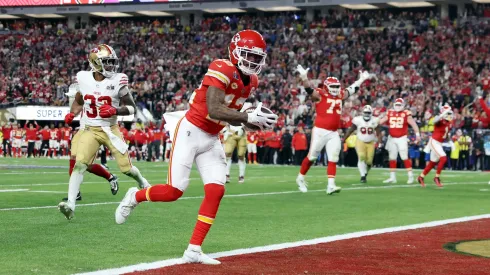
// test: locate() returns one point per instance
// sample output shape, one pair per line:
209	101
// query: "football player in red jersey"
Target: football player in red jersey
442	125
54	137
328	101
398	120
217	101
252	139
65	139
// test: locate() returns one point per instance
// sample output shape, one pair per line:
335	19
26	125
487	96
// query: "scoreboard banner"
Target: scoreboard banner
17	3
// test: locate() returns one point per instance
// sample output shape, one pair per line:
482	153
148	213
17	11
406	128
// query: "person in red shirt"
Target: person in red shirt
300	145
442	125
260	146
54	137
268	136
45	135
65	133
328	104
31	136
150	143
7	146
141	143
252	139
157	142
274	147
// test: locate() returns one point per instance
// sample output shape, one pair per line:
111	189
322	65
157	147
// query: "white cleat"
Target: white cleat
126	206
410	180
66	210
302	185
197	256
333	189
390	180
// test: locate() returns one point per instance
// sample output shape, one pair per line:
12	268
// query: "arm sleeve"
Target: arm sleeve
121	82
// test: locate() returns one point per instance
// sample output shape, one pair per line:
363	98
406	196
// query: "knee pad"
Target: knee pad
80	167
312	159
214	191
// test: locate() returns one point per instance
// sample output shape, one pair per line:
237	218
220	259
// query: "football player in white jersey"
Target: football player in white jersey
104	94
236	138
368	132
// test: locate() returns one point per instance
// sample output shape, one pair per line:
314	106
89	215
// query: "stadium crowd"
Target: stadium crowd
415	55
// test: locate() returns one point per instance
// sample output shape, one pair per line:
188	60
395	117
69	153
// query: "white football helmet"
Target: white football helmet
367	112
399	105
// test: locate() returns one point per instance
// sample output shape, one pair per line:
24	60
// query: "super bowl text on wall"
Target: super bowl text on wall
50	114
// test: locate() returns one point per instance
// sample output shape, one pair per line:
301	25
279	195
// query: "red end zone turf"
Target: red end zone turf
410	252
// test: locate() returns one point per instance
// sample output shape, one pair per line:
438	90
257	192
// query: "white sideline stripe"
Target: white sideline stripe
243	251
13	190
42	191
246	195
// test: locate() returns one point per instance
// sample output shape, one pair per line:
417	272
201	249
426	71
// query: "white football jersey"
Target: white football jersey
97	93
366	129
237	129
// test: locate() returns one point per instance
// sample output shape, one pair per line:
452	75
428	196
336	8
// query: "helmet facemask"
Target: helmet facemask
250	61
107	66
334	89
367	115
398	107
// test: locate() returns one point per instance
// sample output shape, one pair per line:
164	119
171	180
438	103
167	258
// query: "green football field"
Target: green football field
267	209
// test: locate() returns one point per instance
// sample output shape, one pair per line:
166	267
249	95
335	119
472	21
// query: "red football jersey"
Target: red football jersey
66	133
329	110
45	134
225	76
54	134
17	134
398	123
441	130
252	137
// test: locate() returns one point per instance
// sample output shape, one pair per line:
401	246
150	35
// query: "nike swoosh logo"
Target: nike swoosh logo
219	65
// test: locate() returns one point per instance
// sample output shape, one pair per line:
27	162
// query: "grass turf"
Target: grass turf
41	241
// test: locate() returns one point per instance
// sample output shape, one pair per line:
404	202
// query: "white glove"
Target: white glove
261	119
303	73
364	75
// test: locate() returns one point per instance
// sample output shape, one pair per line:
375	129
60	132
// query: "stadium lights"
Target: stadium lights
223	10
8	16
155	13
45	15
276	9
359	6
111	14
410	4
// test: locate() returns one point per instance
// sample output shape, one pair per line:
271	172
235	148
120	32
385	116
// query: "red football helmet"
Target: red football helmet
247	50
332	85
399	104
449	112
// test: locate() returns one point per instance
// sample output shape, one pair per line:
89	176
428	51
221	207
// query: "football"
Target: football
251	127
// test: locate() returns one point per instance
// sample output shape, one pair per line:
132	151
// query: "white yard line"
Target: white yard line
243	251
246	195
13	190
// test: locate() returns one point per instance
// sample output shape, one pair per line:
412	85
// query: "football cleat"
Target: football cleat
390	180
79	197
126	206
302	185
421	181
363	179
197	256
333	189
410	180
227	178
114	184
241	179
438	182
66	210
255	162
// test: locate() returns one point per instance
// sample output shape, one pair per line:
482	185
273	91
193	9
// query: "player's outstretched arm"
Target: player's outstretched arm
217	109
383	120
350	131
352	89
303	74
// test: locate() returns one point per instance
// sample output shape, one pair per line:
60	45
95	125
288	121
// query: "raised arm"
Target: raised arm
415	128
303	74
352	89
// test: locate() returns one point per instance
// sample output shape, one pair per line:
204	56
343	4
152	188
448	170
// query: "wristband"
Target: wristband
417	134
130	109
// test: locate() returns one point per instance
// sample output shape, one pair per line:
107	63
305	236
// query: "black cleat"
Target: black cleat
79	197
114	184
363	179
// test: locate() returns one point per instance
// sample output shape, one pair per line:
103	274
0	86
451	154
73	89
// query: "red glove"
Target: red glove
69	118
107	111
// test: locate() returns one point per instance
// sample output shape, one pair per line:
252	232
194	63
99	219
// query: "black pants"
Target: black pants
103	156
287	155
299	155
7	148
44	145
272	151
154	146
454	164
30	148
464	159
260	153
265	155
351	158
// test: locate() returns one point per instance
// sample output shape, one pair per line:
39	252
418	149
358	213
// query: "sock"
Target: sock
362	168
255	157
305	166
72	164
207	212
392	165
228	166
241	168
136	175
408	164
99	170
159	192
440	166
249	156
14	151
427	168
331	169
331	182
76	179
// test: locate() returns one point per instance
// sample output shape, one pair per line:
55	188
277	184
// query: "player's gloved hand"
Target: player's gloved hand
364	75
303	73
69	118
107	111
261	119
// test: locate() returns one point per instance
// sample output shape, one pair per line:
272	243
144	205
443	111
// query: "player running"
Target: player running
104	94
367	131
236	138
442	125
328	101
398	120
223	91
